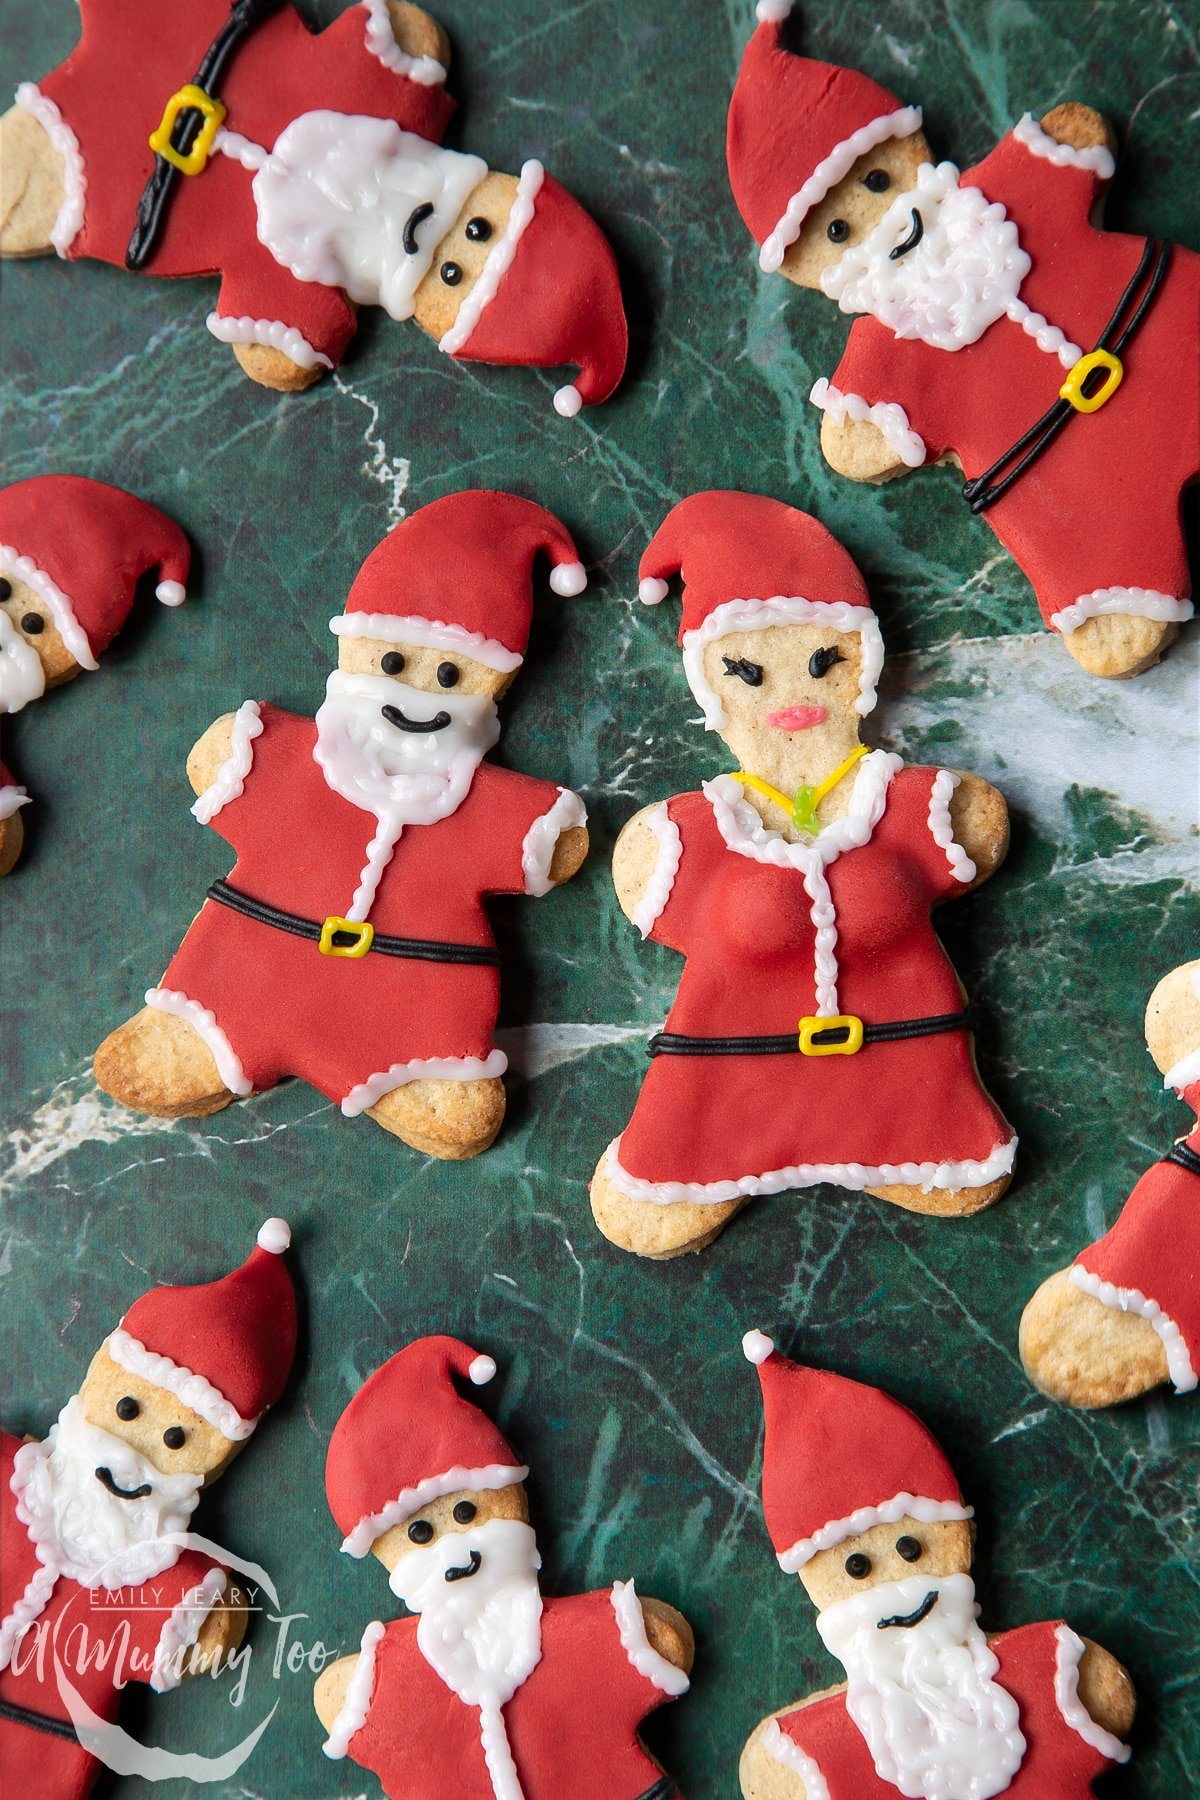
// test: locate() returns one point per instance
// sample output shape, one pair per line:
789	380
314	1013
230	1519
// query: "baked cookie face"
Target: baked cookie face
851	210
784	679
886	1554
30	631
460	1512
432	670
152	1421
460	257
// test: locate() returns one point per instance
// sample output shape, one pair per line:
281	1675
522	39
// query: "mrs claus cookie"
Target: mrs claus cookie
71	554
306	170
350	945
819	1033
998	327
1125	1316
861	1503
489	1688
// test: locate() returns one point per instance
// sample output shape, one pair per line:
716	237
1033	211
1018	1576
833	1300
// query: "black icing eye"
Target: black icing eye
447	674
173	1437
858	1566
479	230
420	1531
32	624
837	231
910	1548
5	589
878	181
465	1511
393	663
450	273
821	661
749	672
127	1408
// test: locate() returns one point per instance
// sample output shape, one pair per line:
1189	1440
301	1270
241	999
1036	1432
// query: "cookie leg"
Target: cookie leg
448	1119
653	1231
1084	1353
945	1203
1118	645
32	185
159	1064
12	837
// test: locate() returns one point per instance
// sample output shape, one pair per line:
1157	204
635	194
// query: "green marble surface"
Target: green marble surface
622	1384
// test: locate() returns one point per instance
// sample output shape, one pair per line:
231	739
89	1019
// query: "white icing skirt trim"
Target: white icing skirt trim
409	1500
641	1653
900	1506
776	1743
941	829
11	799
666	867
428	634
426	71
855	1176
1132	1300
357	1703
194	1391
828	172
66	227
229	1066
273	333
1067	1657
182	1629
887	416
1145	603
429	1068
230	779
1097	157
499	260
537	852
24	568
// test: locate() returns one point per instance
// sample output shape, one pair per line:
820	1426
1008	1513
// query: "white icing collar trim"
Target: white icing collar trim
1097	157
888	417
499	259
411	1499
666	866
1132	1300
24	568
1067	1658
426	71
785	1750
229	1063
1144	603
422	1068
66	227
744	832
900	1506
230	780
182	1629
537	851
191	1390
941	828
273	333
780	609
428	634
648	1662
359	1689
828	172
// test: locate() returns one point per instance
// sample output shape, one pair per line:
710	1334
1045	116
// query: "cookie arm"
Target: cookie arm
858	449
570	852
209	752
1106	1690
329	1689
669	1634
1079	127
221	1633
979	819
633	860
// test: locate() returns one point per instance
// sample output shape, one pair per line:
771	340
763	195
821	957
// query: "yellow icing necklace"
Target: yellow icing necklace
803	804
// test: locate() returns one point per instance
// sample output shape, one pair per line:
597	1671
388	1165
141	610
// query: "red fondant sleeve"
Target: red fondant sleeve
355	53
688	841
1031	183
927	795
885	371
516	820
165	1615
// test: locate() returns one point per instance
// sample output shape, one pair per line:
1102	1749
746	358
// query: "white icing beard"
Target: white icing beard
22	677
937	1724
79	1527
336	192
954	283
481	1634
403	777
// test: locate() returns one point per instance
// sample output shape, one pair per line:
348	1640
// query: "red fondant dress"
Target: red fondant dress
774	932
1099	510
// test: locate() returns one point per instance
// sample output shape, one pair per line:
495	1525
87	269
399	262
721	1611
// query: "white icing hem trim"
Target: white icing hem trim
900	1506
30	98
359	1690
229	1065
1145	603
780	609
499	259
426	71
428	634
641	1653
828	172
194	1391
666	867
1097	157
945	783
1068	1655
182	1629
537	851
1132	1300
410	1500
428	1068
888	417
230	778
271	332
11	799
31	1605
1183	1073
23	568
777	1744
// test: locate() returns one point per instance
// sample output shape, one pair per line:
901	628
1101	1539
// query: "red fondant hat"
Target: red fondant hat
225	1348
458	575
796	128
840	1457
408	1436
548	294
82	546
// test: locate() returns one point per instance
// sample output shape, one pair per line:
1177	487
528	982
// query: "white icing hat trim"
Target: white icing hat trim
229	1063
1144	603
482	1370
412	1499
23	568
941	830
1067	1657
900	1506
631	1625
782	609
428	634
499	259
66	227
422	1068
171	593
1132	1300
426	71
785	1750
11	797
181	1630
359	1689
194	1391
666	866
756	1347
537	851
1183	1073
568	579
1097	157
230	779
828	172
888	417
274	1236
273	333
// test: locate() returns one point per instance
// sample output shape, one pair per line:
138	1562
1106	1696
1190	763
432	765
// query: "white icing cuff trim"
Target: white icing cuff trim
66	227
229	1064
781	609
11	798
410	1500
271	332
900	1506
427	634
666	867
1097	157
1132	1300
359	1689
428	1068
194	1391
887	416
182	1629
230	779
945	782
776	1743
537	852
1067	1658
274	1236
642	1655
499	259
1145	603
426	71
828	172
23	568
1183	1073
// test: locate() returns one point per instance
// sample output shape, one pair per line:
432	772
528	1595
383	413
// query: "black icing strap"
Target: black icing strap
423	949
675	1043
1185	1157
984	490
25	1715
662	1790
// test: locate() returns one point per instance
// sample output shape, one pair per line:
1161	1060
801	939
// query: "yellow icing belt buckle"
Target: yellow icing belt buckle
337	927
195	159
812	1030
1075	387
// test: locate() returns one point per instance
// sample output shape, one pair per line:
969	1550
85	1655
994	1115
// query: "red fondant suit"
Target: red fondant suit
1100	508
746	1124
101	1639
111	91
1059	1763
288	1010
572	1725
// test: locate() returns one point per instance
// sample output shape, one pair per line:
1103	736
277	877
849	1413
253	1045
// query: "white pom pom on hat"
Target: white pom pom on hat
171	593
568	579
773	12
651	591
482	1370
568	401
757	1346
274	1236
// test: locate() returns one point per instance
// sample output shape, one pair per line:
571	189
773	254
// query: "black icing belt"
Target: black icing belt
424	949
674	1043
662	1790
1185	1157
984	490
25	1715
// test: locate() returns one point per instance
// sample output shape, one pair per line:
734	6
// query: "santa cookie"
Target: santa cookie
1057	364
861	1503
1125	1316
71	554
489	1689
101	1507
306	169
819	1033
350	945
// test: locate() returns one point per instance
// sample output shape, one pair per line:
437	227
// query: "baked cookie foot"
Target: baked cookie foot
653	1231
944	1203
452	1120
1118	645
270	368
157	1063
32	185
12	839
1083	1353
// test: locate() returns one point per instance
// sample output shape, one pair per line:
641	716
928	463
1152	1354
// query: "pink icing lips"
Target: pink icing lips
797	718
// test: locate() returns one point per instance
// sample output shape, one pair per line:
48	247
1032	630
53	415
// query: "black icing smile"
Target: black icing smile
472	1568
137	1493
402	722
416	217
912	240
913	1618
